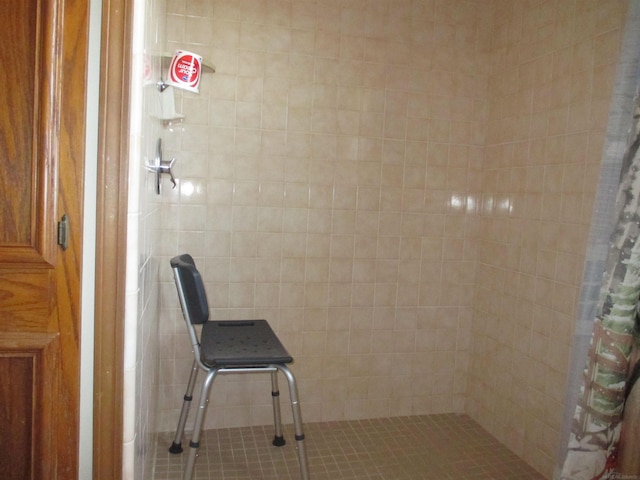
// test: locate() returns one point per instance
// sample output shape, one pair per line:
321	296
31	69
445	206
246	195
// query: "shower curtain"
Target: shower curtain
594	417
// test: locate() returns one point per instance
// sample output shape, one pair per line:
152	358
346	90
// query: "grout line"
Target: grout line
447	446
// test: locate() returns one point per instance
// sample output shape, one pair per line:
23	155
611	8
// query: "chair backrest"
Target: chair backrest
193	296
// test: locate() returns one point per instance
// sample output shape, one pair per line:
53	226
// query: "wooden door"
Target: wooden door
42	98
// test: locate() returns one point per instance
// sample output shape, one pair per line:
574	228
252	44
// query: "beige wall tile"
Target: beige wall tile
395	180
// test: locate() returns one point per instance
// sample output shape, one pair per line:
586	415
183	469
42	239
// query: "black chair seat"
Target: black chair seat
241	343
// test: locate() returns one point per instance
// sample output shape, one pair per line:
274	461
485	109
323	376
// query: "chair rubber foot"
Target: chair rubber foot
175	448
279	441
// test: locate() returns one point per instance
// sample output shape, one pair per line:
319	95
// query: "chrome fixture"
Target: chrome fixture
161	166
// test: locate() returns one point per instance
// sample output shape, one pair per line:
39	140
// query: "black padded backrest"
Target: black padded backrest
193	292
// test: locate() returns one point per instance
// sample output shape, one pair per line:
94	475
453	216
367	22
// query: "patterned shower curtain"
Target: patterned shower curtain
612	365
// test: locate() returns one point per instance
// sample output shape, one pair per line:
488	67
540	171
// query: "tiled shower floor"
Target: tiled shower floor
442	447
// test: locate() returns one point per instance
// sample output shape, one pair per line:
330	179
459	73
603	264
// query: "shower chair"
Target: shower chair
227	347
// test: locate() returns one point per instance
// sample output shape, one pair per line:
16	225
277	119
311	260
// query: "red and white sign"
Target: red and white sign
185	71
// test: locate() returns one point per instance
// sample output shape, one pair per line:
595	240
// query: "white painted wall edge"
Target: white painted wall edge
85	444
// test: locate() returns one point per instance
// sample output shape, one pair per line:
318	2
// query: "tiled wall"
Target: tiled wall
350	171
140	397
328	179
552	70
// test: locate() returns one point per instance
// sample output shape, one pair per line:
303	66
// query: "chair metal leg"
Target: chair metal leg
297	421
194	444
278	438
176	446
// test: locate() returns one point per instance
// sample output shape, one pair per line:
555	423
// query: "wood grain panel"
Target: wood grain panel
29	383
25	300
29	77
16	151
73	58
16	415
42	134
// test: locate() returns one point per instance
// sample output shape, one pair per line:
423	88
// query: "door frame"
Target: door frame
111	237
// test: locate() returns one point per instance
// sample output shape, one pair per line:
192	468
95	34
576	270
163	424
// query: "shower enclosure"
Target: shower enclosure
403	188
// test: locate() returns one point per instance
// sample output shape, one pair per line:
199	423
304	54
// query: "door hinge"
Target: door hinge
63	232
